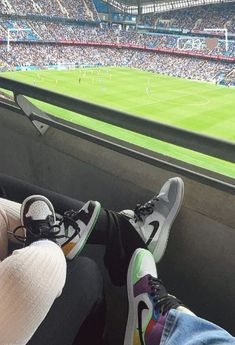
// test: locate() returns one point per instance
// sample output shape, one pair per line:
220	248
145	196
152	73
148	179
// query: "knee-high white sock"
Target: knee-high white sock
3	234
30	280
12	212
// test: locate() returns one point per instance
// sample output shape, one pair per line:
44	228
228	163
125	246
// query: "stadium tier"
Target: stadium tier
54	32
48	55
180	48
78	9
197	18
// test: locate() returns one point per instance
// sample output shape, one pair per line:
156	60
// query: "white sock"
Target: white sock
3	234
30	280
12	212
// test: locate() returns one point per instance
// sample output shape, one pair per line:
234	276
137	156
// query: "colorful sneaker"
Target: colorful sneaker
154	219
149	301
70	232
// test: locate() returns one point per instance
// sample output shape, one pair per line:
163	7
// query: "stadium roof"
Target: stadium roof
148	6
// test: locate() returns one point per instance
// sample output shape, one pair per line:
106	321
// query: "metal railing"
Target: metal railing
207	145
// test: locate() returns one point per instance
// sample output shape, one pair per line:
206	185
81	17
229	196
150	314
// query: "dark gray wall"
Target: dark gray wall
199	264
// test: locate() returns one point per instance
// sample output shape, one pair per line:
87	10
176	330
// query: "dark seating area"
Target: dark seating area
198	265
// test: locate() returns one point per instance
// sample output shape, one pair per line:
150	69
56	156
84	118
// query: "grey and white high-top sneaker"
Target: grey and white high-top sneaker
153	220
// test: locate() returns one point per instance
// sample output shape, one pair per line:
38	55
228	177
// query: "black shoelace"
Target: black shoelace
146	209
45	230
69	218
161	298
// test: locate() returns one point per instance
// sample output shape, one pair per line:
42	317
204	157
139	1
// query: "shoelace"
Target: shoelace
46	231
146	209
161	298
69	218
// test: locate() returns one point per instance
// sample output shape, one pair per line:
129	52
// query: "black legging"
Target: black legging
111	229
78	315
82	297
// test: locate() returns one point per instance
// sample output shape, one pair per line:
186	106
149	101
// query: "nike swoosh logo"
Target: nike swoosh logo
141	306
155	225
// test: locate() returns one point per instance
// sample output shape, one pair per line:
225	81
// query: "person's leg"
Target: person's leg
11	211
78	302
30	280
148	226
182	328
77	308
112	230
158	318
120	240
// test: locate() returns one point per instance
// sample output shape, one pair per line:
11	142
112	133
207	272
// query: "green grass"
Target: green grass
197	106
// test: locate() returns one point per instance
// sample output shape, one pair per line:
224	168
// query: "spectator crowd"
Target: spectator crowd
55	32
77	9
195	18
177	66
70	43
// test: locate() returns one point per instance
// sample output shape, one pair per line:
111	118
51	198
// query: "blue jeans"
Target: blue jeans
184	329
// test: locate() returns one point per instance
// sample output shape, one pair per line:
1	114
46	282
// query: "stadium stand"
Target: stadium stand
220	15
46	31
178	66
81	9
140	50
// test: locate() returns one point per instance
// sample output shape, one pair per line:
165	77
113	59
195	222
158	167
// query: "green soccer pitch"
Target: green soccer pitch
197	106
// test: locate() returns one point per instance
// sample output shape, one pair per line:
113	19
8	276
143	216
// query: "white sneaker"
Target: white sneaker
76	228
154	219
70	232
